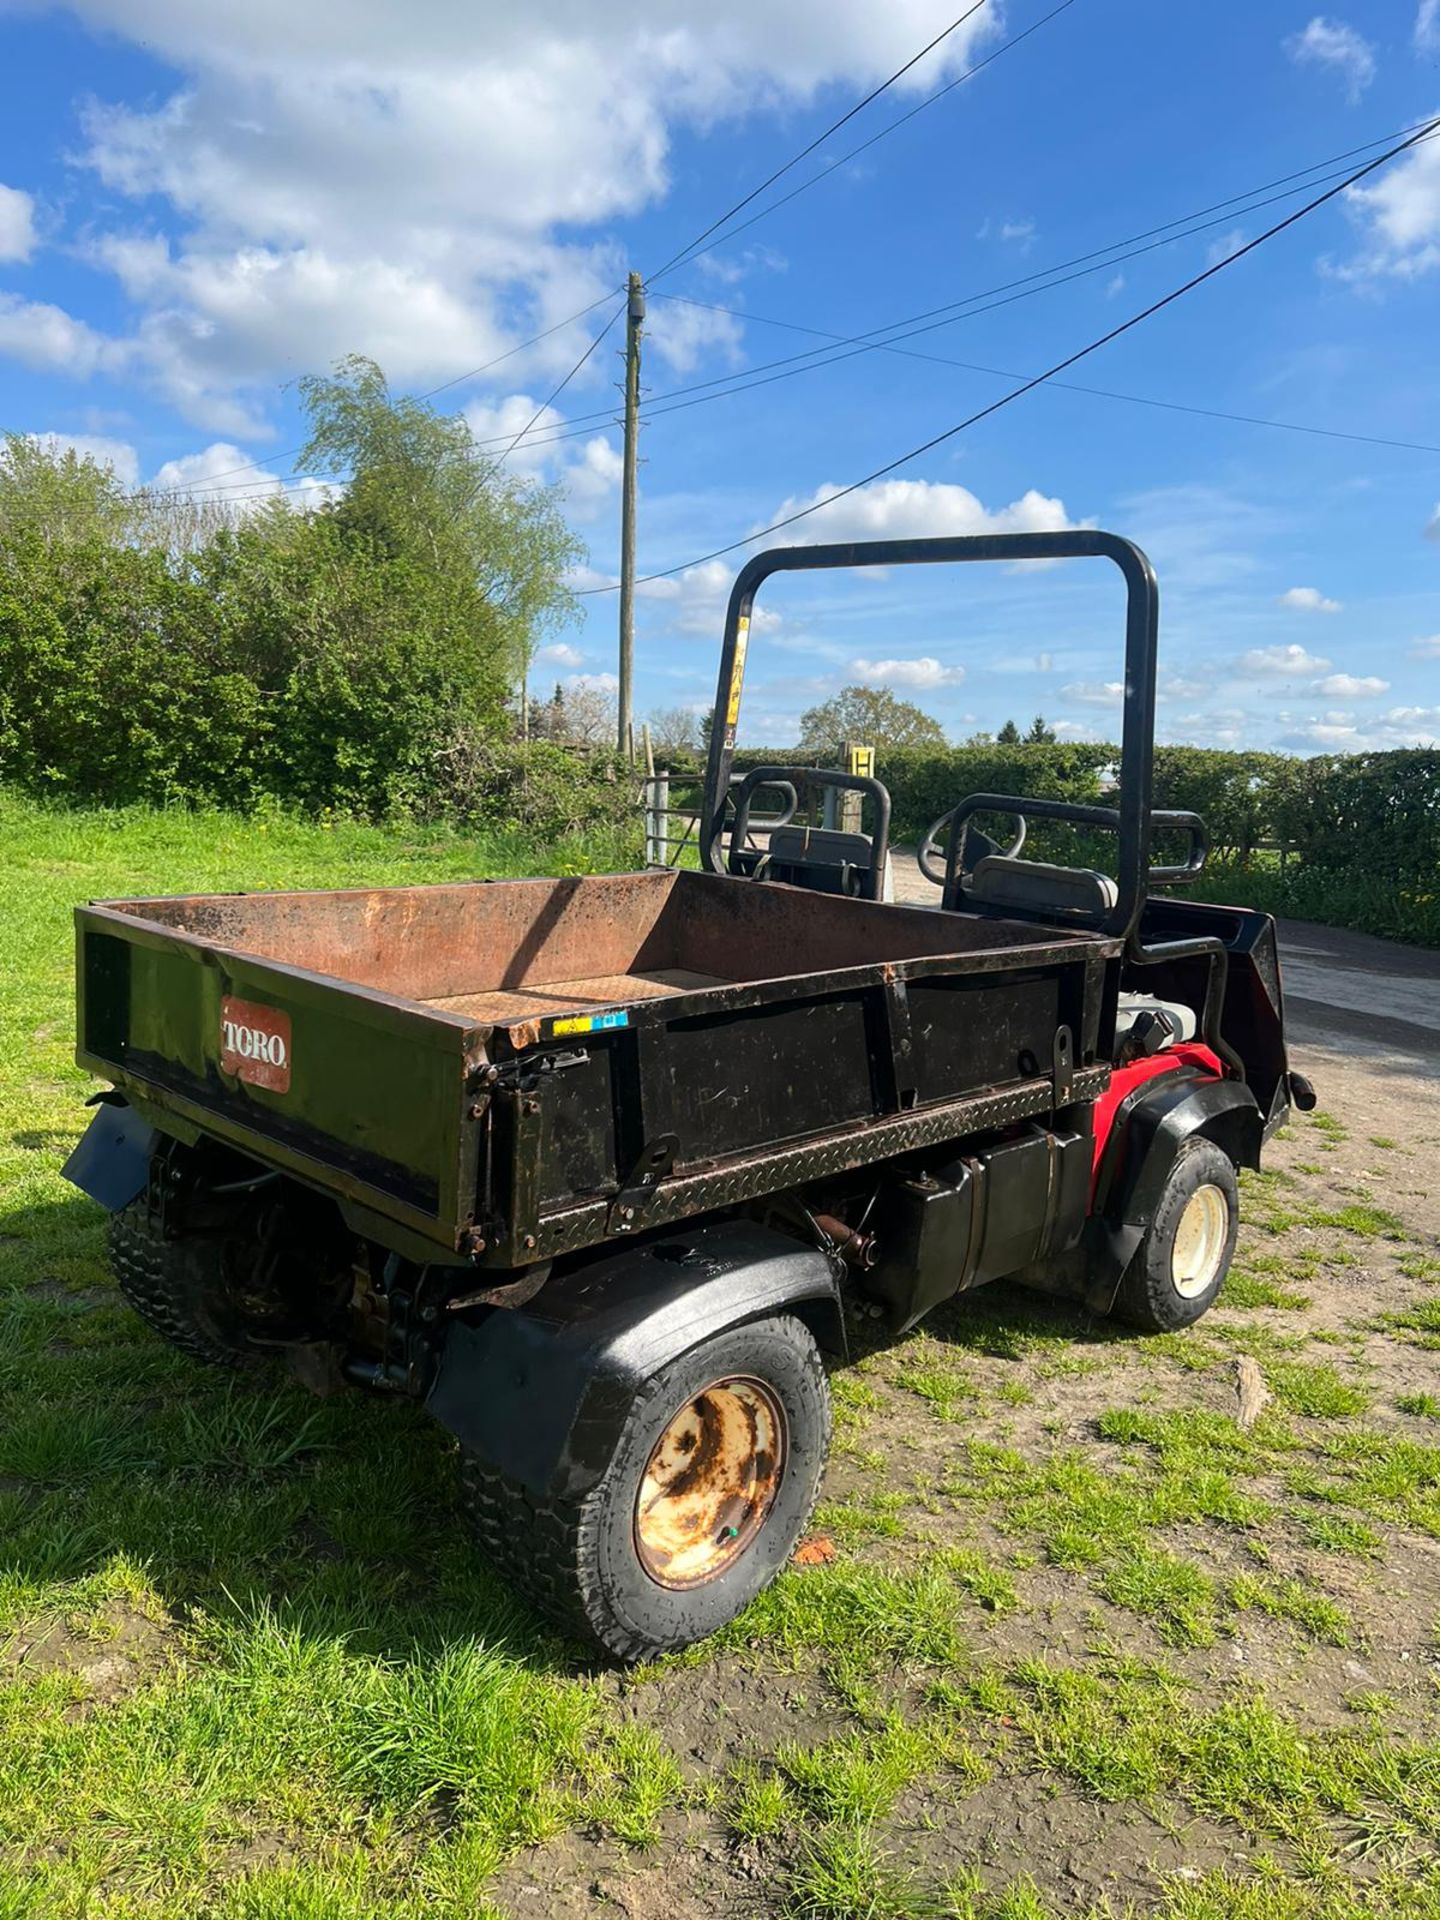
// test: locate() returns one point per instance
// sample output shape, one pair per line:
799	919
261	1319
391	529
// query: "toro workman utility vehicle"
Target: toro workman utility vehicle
590	1165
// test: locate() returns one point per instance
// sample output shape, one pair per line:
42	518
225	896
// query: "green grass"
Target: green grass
1314	1389
325	1658
283	1686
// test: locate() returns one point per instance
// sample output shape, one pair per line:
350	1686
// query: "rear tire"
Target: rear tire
1180	1265
659	1553
182	1288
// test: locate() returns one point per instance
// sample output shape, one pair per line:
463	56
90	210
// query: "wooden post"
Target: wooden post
634	318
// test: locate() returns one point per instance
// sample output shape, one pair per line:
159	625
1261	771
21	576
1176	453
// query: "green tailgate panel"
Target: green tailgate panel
366	1094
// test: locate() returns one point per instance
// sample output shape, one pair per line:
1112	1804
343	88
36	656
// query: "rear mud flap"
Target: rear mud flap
111	1162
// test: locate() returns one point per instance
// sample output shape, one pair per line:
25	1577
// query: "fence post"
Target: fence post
657	819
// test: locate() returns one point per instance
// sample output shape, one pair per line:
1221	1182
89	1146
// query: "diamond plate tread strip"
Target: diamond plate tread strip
694	1193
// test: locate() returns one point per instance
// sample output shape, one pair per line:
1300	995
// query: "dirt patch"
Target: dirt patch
111	1653
692	1874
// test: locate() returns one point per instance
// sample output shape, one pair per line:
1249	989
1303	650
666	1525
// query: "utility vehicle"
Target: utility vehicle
592	1166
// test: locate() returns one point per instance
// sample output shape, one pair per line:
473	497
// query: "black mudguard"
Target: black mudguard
543	1391
1170	1110
111	1160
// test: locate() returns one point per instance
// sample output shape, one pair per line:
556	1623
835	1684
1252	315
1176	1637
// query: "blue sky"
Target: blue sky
199	203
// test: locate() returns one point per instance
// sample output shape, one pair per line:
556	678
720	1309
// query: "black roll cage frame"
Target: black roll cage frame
1134	819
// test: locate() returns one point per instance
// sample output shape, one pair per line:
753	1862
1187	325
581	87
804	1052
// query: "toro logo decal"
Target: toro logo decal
255	1044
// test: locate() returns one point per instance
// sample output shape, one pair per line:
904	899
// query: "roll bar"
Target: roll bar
1142	619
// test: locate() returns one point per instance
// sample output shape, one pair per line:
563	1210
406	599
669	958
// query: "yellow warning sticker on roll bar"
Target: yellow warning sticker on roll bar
737	670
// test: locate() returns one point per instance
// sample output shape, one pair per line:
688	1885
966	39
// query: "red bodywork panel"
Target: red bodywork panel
1125	1080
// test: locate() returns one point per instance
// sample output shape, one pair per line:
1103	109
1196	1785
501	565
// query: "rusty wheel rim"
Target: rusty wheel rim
710	1482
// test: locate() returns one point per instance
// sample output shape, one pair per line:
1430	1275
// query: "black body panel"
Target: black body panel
979	1217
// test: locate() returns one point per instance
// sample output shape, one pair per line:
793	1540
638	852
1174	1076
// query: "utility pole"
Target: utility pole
634	318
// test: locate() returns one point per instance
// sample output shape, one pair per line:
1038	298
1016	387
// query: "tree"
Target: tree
1008	736
580	715
678	729
493	550
53	495
869	714
1040	735
331	658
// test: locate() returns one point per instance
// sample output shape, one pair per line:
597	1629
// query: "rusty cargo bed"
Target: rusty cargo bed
517	1069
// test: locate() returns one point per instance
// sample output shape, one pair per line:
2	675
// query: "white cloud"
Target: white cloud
682	335
589	469
1095	693
1175	686
701	594
118	455
1432	525
49	340
1427	26
17	224
1348	686
593	682
1426	649
1341	732
893	509
560	654
219	475
1021	232
1225	247
1335	735
1114	286
919	674
1227	727
1401	216
1307	600
1264	663
1333	44
423	183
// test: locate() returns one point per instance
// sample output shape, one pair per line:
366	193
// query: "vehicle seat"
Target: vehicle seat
832	858
802	846
1039	887
1183	1022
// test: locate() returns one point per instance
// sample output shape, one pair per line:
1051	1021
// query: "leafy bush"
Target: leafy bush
1352	840
319	658
543	788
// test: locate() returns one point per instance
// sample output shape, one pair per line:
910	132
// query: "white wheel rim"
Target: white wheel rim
710	1482
1199	1244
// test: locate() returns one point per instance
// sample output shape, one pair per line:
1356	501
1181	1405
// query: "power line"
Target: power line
1025	288
726	386
473	374
884	132
556	391
1028	386
1113	254
688	251
510	352
692	246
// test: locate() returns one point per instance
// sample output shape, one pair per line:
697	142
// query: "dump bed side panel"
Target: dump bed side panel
361	1094
740	1090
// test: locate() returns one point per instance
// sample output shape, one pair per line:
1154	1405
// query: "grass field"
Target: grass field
1085	1645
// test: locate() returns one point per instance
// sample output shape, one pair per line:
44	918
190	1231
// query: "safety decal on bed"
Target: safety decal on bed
590	1022
255	1044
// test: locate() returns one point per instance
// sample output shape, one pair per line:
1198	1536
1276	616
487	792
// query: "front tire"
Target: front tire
713	1481
1180	1265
